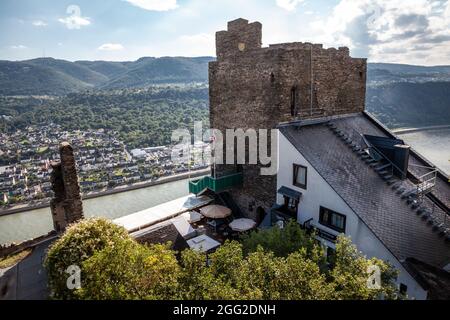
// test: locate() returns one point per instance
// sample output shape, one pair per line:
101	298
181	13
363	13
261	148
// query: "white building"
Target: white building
138	153
330	179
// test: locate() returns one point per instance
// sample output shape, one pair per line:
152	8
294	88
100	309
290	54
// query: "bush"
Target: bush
350	274
114	266
131	271
80	242
281	242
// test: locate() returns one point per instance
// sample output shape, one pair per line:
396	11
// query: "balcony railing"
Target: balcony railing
311	227
215	184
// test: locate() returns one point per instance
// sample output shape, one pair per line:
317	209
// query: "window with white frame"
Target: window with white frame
300	176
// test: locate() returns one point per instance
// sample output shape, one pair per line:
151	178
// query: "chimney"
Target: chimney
66	205
401	159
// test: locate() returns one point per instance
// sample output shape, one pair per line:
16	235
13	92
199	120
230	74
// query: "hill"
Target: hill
406	104
74	70
142	117
58	77
109	69
384	73
22	78
398	94
147	71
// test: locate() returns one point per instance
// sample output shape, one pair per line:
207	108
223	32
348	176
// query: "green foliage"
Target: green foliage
142	118
281	242
131	271
48	76
80	242
124	269
350	274
400	105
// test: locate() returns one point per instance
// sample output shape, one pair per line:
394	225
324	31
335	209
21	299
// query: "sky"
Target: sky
396	31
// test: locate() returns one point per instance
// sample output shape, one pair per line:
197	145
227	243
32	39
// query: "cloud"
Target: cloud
198	44
289	5
18	47
39	23
154	5
389	30
111	47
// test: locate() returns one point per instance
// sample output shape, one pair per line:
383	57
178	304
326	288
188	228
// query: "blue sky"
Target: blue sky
413	31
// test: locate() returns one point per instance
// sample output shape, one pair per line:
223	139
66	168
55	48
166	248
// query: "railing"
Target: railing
427	181
377	154
310	227
215	184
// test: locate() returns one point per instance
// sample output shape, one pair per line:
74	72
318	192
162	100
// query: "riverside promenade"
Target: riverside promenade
95	194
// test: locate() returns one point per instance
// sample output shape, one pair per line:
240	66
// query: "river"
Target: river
30	224
432	144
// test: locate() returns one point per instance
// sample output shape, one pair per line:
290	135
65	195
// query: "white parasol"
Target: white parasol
215	211
242	225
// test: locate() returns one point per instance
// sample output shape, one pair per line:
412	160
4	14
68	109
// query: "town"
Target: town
103	160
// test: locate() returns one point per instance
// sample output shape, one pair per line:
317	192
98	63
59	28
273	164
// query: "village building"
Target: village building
340	170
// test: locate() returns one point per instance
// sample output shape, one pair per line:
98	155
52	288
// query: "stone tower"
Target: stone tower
260	87
66	206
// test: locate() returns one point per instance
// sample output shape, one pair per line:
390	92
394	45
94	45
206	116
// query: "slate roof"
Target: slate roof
436	281
161	234
389	217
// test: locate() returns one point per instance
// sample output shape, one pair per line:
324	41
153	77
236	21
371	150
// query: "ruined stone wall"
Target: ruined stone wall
255	87
66	205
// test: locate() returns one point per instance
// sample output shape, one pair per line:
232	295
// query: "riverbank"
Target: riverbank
96	194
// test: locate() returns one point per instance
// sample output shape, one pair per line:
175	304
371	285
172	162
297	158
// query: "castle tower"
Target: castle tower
66	206
260	87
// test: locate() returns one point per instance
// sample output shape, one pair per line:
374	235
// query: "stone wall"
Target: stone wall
255	87
66	206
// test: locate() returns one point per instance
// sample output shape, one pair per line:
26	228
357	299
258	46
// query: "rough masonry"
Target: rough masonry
255	87
66	205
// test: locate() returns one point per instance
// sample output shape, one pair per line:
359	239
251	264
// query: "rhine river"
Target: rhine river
30	224
433	144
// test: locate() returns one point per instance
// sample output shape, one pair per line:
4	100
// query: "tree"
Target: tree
352	271
80	242
130	271
114	266
281	242
260	275
346	277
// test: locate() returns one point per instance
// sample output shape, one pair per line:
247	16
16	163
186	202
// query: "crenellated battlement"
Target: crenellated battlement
241	36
